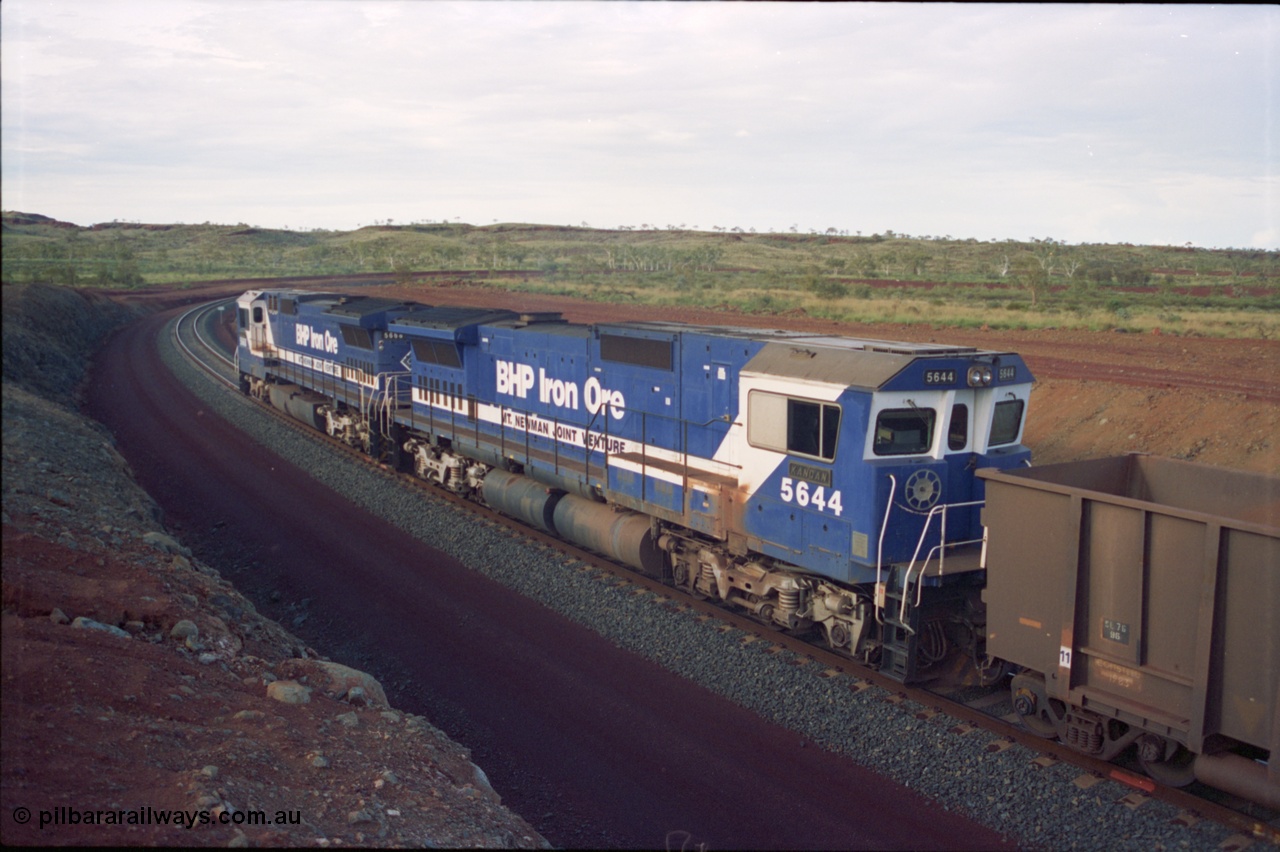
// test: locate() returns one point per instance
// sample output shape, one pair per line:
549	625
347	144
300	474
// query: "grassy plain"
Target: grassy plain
875	278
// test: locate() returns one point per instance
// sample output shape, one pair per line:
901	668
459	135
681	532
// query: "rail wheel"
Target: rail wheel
679	574
838	636
1033	706
1167	761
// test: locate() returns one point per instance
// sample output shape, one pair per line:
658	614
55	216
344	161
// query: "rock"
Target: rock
335	679
185	629
135	627
59	617
289	692
165	543
83	623
249	715
351	720
225	603
481	782
59	498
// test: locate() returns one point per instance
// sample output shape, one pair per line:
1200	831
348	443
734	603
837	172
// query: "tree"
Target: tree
1045	251
1033	275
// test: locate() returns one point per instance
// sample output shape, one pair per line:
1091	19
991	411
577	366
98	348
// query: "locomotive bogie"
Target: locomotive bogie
443	467
350	427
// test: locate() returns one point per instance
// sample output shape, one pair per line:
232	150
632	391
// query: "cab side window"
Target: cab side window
795	426
958	433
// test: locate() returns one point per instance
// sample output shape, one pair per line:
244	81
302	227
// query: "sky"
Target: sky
1102	124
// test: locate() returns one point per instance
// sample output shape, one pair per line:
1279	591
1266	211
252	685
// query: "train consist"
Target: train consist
825	484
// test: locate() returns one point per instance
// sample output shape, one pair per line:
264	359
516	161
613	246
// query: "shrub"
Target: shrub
1133	275
827	288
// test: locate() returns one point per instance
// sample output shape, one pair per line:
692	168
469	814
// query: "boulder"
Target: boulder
336	680
289	692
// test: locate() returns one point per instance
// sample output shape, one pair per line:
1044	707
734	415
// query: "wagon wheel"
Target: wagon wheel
1031	706
1166	761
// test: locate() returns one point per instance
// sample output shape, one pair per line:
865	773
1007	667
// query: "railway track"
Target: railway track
205	340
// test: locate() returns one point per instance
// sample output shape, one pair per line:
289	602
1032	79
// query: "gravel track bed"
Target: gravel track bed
1038	807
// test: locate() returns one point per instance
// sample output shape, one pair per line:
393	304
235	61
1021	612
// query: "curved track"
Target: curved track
594	745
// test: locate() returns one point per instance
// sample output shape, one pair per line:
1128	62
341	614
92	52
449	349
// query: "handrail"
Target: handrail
940	549
884	526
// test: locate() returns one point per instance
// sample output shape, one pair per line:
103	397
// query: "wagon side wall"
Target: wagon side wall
1144	589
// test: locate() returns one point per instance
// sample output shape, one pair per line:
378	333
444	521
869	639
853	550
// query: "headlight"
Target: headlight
979	376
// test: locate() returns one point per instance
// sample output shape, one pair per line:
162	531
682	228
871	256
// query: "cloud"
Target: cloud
862	116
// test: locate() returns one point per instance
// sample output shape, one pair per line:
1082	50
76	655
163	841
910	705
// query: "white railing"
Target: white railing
940	550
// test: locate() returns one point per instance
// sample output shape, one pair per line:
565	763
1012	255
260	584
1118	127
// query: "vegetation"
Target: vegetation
880	278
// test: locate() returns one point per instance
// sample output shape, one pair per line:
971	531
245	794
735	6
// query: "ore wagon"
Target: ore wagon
1140	596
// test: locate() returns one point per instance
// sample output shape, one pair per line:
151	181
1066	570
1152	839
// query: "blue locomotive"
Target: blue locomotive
824	483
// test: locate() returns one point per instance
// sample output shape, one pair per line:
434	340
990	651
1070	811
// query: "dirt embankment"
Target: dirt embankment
146	701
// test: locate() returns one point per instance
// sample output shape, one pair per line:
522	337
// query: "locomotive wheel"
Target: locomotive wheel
1166	761
679	574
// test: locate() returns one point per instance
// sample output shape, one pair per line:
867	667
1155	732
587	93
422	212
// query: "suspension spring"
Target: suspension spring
788	600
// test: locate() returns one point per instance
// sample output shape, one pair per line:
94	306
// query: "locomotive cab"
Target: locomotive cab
252	326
